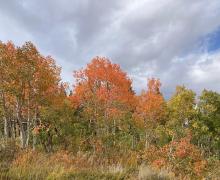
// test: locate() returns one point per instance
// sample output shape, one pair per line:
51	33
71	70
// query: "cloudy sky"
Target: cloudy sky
177	41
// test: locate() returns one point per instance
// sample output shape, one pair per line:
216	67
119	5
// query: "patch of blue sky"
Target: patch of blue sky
211	42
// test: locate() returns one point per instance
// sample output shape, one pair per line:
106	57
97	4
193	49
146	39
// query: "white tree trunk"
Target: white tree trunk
6	128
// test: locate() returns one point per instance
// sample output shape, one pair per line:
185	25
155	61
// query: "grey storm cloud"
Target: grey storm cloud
146	37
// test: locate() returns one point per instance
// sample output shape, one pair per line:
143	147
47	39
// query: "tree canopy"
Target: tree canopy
101	116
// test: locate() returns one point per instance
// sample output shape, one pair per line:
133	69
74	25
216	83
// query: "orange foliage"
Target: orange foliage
159	163
103	85
151	105
181	156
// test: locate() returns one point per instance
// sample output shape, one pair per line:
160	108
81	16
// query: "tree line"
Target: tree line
101	113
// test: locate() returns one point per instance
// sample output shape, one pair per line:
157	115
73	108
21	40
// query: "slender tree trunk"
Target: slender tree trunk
28	124
114	131
23	136
6	128
5	116
147	143
148	136
13	129
35	125
23	130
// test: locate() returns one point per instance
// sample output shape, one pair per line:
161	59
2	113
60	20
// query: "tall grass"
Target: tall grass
62	165
37	165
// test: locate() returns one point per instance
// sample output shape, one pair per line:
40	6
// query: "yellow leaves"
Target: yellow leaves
209	108
204	128
195	125
199	126
170	132
182	106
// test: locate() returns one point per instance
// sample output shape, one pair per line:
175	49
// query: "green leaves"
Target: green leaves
182	106
209	121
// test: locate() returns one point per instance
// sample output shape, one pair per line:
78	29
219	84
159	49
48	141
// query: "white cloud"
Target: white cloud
146	37
207	69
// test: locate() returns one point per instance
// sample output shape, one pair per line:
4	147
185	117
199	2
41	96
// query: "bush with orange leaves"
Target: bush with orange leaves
25	158
184	158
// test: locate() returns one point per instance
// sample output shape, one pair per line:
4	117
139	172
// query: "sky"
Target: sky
177	41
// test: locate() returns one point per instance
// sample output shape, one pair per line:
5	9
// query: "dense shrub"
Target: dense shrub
184	158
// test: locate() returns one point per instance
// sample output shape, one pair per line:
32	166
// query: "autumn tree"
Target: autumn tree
7	71
182	111
151	108
54	116
206	128
28	82
104	93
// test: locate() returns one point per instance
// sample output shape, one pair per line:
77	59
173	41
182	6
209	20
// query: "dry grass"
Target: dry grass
18	164
62	165
148	173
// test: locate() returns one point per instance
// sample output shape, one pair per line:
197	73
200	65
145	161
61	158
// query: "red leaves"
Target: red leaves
183	148
182	156
159	163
